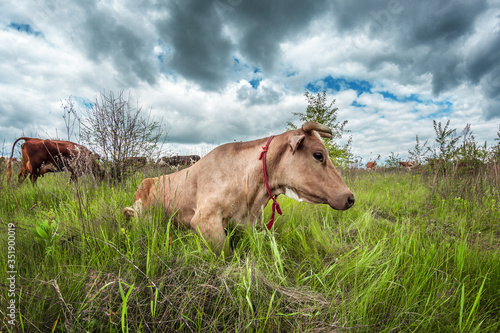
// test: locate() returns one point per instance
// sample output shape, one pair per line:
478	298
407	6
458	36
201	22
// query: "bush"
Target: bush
119	132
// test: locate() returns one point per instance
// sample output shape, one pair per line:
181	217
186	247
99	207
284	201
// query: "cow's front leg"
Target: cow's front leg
23	173
33	178
209	226
22	176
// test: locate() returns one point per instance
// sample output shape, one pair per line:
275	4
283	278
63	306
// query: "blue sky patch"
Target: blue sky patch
339	84
240	67
255	83
446	106
24	28
405	99
330	83
84	102
412	98
388	95
357	104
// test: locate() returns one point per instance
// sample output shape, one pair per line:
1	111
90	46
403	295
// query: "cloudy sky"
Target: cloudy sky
217	71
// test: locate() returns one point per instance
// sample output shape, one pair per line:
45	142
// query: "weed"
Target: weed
46	234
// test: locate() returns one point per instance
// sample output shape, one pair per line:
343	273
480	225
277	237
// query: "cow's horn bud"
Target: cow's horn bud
322	130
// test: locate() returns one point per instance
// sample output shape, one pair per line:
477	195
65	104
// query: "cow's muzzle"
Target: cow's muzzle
350	201
343	201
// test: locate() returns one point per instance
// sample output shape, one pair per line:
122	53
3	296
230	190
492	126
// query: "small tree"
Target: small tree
118	130
470	152
320	111
496	149
392	160
419	152
446	139
69	116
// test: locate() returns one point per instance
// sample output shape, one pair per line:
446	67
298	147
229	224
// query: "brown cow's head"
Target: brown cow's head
95	168
84	161
310	174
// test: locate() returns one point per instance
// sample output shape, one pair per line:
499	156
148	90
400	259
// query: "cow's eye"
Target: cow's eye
318	157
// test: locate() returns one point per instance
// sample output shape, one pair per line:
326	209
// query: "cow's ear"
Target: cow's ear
295	142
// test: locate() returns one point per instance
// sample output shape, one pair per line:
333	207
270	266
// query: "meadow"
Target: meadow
418	252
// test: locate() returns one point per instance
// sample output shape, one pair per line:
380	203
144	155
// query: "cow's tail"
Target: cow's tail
9	161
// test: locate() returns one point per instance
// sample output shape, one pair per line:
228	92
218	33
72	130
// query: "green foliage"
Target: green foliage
125	297
469	151
453	153
495	150
46	234
392	161
320	111
419	152
446	140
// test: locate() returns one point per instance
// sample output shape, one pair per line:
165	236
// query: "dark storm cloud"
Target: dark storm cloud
441	21
201	50
483	68
104	37
414	22
263	25
206	35
490	84
484	56
434	34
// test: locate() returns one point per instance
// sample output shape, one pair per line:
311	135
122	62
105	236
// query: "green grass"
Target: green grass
412	255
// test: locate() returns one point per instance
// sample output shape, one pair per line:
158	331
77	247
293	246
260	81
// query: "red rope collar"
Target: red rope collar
276	206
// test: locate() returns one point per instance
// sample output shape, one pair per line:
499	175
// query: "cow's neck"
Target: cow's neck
275	153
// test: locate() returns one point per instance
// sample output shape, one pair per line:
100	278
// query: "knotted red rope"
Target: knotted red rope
276	206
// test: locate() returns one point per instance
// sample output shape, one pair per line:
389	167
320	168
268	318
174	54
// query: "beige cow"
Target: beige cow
228	183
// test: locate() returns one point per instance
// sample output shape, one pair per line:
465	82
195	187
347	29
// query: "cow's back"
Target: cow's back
212	180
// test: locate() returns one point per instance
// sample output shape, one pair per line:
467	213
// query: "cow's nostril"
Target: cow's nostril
350	201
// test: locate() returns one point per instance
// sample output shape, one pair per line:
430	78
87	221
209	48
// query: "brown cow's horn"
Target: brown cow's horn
322	130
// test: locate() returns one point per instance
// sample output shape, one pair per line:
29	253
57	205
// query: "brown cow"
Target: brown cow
408	165
42	156
371	166
136	161
228	183
174	161
46	168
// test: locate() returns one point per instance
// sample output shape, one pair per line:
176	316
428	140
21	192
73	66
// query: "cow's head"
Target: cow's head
85	161
309	172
